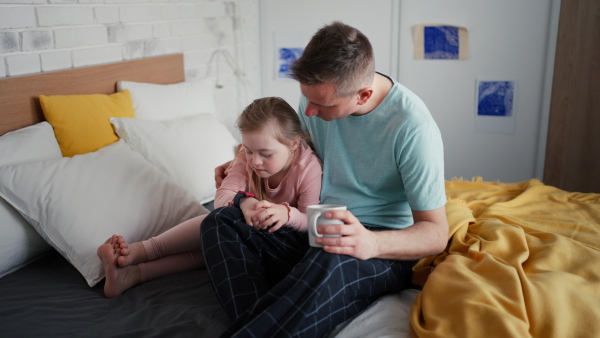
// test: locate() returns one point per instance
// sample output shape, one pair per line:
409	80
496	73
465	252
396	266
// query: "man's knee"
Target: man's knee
223	218
223	215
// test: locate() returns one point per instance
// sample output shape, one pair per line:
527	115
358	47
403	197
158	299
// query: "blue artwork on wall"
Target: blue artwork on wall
441	42
495	98
286	58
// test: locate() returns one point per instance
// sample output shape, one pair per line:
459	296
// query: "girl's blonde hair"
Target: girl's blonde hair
287	129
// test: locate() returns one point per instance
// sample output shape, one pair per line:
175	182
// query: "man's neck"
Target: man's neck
381	87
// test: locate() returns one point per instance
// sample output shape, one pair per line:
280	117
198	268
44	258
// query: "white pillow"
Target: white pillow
165	102
77	203
187	149
19	243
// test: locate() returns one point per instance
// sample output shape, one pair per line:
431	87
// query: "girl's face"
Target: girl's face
268	157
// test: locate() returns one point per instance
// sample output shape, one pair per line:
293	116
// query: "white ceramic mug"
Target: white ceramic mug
316	216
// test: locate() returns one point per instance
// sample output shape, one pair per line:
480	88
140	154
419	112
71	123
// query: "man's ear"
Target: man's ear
364	94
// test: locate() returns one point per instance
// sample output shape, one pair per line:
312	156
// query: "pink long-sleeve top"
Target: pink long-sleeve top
300	187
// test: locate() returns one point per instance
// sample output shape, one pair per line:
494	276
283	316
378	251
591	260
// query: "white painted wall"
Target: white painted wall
376	19
508	39
48	35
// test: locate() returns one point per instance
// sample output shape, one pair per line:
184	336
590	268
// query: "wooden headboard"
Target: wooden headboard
20	106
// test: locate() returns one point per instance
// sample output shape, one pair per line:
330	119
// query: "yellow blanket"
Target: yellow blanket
523	260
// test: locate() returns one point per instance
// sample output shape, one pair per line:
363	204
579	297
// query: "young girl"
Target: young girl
279	168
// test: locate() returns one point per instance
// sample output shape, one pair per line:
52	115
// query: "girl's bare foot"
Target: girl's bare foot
129	254
118	279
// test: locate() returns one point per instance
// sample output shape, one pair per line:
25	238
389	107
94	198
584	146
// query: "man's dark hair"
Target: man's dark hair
337	53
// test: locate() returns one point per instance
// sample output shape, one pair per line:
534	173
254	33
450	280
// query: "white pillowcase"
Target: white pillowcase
164	102
187	149
77	203
19	242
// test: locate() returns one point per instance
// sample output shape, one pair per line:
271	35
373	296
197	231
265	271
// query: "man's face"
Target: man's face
323	103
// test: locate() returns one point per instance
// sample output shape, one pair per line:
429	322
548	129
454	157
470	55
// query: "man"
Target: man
382	157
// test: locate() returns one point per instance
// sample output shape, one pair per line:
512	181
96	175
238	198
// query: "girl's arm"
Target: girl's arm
273	216
309	194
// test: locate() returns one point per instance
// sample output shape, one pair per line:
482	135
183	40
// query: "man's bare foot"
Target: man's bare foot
129	254
118	279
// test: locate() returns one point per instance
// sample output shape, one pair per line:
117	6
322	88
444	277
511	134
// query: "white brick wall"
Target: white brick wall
140	13
56	60
123	33
80	36
96	55
17	17
2	67
162	30
9	42
48	35
23	64
35	40
106	14
65	15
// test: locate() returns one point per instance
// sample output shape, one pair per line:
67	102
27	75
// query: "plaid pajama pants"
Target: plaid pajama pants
276	285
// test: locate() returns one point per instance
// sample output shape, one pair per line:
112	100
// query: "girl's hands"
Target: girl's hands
248	208
264	214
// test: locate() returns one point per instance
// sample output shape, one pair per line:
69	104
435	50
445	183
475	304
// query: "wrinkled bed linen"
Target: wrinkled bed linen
388	317
523	261
49	298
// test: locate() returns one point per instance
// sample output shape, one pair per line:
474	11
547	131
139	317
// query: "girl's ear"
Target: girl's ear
295	144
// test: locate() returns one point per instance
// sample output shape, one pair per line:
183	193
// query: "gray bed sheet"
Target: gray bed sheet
49	298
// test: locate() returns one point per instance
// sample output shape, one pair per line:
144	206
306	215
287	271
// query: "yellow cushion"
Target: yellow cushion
81	122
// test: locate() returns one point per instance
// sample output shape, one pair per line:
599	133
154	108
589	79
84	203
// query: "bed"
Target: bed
523	259
51	283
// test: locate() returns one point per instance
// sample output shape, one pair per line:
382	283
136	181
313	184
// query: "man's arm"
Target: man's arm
222	170
428	236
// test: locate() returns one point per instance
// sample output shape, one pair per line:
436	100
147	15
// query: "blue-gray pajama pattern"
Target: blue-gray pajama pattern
276	285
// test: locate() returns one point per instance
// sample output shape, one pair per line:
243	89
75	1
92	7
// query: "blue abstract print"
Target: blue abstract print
441	42
287	56
495	98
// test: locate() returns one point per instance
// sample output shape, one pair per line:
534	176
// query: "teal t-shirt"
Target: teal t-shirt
384	163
